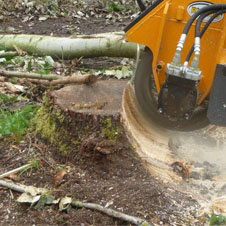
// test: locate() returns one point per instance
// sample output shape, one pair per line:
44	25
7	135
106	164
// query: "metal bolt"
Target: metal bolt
187	116
160	111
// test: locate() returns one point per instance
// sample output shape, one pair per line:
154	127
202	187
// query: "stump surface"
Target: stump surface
102	98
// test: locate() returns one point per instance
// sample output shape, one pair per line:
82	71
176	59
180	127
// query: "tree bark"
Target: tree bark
99	45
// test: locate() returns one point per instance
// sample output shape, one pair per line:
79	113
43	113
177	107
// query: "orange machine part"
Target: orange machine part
160	31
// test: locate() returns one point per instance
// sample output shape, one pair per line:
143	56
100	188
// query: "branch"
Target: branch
19	74
12	186
84	79
53	78
111	212
108	211
9	53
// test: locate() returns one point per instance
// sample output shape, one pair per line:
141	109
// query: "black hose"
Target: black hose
141	5
203	31
201	11
200	20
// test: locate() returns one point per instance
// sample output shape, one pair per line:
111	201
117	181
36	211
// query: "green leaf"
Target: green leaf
8	58
44	200
43	72
113	7
15	124
29	66
217	220
2	48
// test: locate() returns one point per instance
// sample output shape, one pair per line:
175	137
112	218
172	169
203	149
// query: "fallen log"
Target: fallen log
98	45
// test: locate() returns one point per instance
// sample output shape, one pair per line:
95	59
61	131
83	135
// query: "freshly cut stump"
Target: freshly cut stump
103	98
191	162
83	118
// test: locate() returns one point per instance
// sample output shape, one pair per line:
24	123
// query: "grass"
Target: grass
14	124
34	164
112	7
217	220
4	99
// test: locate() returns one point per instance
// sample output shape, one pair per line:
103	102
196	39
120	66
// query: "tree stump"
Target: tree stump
81	118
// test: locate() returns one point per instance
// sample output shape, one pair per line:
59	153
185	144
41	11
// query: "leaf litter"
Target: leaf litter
131	189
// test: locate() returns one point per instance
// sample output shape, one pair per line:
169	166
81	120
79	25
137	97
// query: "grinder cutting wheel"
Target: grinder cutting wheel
171	90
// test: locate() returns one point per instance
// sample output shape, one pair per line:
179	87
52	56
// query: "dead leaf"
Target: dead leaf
43	18
13	176
59	177
65	203
105	151
20	51
14	88
181	169
28	198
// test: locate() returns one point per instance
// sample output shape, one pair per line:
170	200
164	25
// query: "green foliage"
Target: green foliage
45	199
2	48
4	99
217	220
33	165
112	7
43	71
15	124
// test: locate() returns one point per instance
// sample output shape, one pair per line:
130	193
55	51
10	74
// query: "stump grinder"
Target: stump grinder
180	80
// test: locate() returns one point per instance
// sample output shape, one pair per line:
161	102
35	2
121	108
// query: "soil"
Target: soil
119	180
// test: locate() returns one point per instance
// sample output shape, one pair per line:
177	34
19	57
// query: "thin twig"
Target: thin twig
14	171
12	186
52	78
112	213
108	211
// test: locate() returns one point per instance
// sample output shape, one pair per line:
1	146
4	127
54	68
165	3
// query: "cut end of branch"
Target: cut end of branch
91	79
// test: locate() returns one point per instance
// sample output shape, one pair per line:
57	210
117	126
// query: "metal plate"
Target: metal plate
147	99
217	104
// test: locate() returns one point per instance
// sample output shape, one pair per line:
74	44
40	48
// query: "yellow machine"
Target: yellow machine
180	80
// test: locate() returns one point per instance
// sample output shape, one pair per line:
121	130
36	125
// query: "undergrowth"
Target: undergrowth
14	124
217	220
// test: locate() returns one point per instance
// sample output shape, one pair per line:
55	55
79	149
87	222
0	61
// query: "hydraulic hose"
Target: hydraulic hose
141	5
200	20
203	32
214	7
180	45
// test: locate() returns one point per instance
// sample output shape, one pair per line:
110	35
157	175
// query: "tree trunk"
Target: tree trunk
84	120
99	45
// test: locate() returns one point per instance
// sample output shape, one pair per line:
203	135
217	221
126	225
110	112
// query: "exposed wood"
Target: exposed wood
75	79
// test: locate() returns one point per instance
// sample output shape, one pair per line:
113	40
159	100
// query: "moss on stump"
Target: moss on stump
73	114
